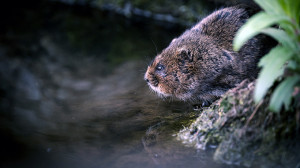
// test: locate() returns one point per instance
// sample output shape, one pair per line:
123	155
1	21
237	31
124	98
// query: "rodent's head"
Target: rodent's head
174	72
200	64
190	69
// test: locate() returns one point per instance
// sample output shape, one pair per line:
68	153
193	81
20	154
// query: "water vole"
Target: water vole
200	65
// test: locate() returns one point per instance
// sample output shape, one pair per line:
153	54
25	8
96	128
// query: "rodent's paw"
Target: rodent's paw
199	106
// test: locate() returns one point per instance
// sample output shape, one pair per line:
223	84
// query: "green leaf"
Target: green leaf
292	65
295	8
270	6
283	93
284	5
281	36
291	8
253	27
272	64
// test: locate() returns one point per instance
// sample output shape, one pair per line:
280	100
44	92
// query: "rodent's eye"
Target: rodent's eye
159	67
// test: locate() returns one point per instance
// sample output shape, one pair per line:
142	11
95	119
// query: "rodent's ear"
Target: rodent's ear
173	40
185	54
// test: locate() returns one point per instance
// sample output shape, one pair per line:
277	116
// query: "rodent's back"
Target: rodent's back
201	65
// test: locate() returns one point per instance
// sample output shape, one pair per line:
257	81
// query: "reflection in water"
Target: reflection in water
65	103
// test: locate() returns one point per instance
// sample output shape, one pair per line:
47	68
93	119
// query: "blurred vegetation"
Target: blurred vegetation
188	10
280	20
178	11
83	30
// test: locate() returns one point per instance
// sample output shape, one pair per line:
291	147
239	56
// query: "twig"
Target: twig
253	113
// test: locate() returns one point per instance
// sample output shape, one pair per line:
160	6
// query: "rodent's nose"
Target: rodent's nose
146	79
152	80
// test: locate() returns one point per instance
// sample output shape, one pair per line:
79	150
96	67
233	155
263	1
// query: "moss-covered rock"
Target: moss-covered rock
245	133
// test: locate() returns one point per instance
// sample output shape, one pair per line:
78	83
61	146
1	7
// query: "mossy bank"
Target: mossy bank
244	133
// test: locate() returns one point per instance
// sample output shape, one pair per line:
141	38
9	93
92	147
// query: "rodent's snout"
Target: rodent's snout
146	79
151	79
156	81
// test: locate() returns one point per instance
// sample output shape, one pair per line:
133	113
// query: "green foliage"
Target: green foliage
283	93
272	69
285	57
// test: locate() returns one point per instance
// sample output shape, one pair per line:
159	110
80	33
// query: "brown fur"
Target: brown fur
201	65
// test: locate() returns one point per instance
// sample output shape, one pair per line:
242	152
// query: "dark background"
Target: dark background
72	92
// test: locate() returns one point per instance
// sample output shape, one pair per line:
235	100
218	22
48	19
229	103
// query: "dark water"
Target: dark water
73	95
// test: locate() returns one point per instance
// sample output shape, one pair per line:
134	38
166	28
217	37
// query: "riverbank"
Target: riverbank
245	133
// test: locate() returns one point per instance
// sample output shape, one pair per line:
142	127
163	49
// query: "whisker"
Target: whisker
155	46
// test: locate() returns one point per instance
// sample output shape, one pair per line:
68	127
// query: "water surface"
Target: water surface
73	95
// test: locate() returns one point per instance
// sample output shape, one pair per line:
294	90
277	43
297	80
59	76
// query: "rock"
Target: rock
245	133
